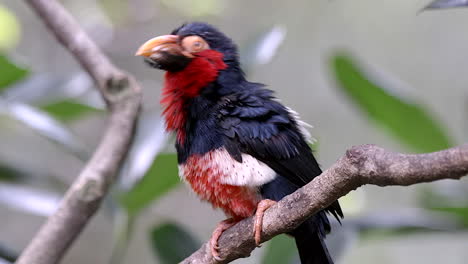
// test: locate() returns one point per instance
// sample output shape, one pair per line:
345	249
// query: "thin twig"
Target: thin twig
122	95
366	164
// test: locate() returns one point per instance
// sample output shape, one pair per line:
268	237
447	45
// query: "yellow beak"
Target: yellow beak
166	42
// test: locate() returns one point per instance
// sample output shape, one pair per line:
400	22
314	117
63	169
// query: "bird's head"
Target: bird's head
194	56
190	43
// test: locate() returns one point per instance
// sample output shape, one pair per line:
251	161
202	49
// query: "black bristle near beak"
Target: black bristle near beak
168	61
152	63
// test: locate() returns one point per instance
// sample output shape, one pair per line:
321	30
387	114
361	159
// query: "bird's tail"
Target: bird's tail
311	246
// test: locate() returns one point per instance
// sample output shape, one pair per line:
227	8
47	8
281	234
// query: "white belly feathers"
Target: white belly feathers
251	172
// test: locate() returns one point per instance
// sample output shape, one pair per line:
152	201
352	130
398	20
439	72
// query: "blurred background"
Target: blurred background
368	71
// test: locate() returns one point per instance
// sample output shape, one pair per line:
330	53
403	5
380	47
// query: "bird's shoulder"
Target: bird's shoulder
254	122
254	112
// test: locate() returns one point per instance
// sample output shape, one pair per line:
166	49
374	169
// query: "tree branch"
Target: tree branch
122	95
366	164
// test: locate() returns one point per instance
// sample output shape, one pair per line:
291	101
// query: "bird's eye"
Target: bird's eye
197	45
194	44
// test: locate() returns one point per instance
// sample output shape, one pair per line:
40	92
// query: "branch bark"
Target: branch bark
122	95
366	164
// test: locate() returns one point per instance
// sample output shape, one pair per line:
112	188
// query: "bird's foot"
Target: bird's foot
262	206
222	226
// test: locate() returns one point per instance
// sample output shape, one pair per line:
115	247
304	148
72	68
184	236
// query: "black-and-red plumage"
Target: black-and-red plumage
236	143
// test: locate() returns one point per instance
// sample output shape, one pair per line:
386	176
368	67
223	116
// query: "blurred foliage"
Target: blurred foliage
447	199
7	254
442	4
10	73
28	199
409	122
68	110
160	178
197	8
460	212
385	233
48	127
263	48
280	250
10	30
8	174
123	225
117	11
172	243
149	140
47	123
139	169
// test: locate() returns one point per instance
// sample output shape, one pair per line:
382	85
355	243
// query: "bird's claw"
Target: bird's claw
222	226
262	206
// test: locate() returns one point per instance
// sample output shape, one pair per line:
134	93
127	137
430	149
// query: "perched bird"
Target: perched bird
238	147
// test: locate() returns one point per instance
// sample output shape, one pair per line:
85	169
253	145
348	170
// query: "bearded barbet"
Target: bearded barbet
238	147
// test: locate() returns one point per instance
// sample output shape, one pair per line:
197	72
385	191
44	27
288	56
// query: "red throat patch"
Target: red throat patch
181	86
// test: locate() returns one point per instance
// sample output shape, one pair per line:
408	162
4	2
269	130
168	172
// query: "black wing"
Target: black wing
257	124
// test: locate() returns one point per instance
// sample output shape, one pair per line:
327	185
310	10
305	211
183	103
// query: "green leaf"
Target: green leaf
10	73
160	178
407	121
281	250
172	243
68	110
461	213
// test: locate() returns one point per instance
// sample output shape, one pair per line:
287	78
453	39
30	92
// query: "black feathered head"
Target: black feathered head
175	51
